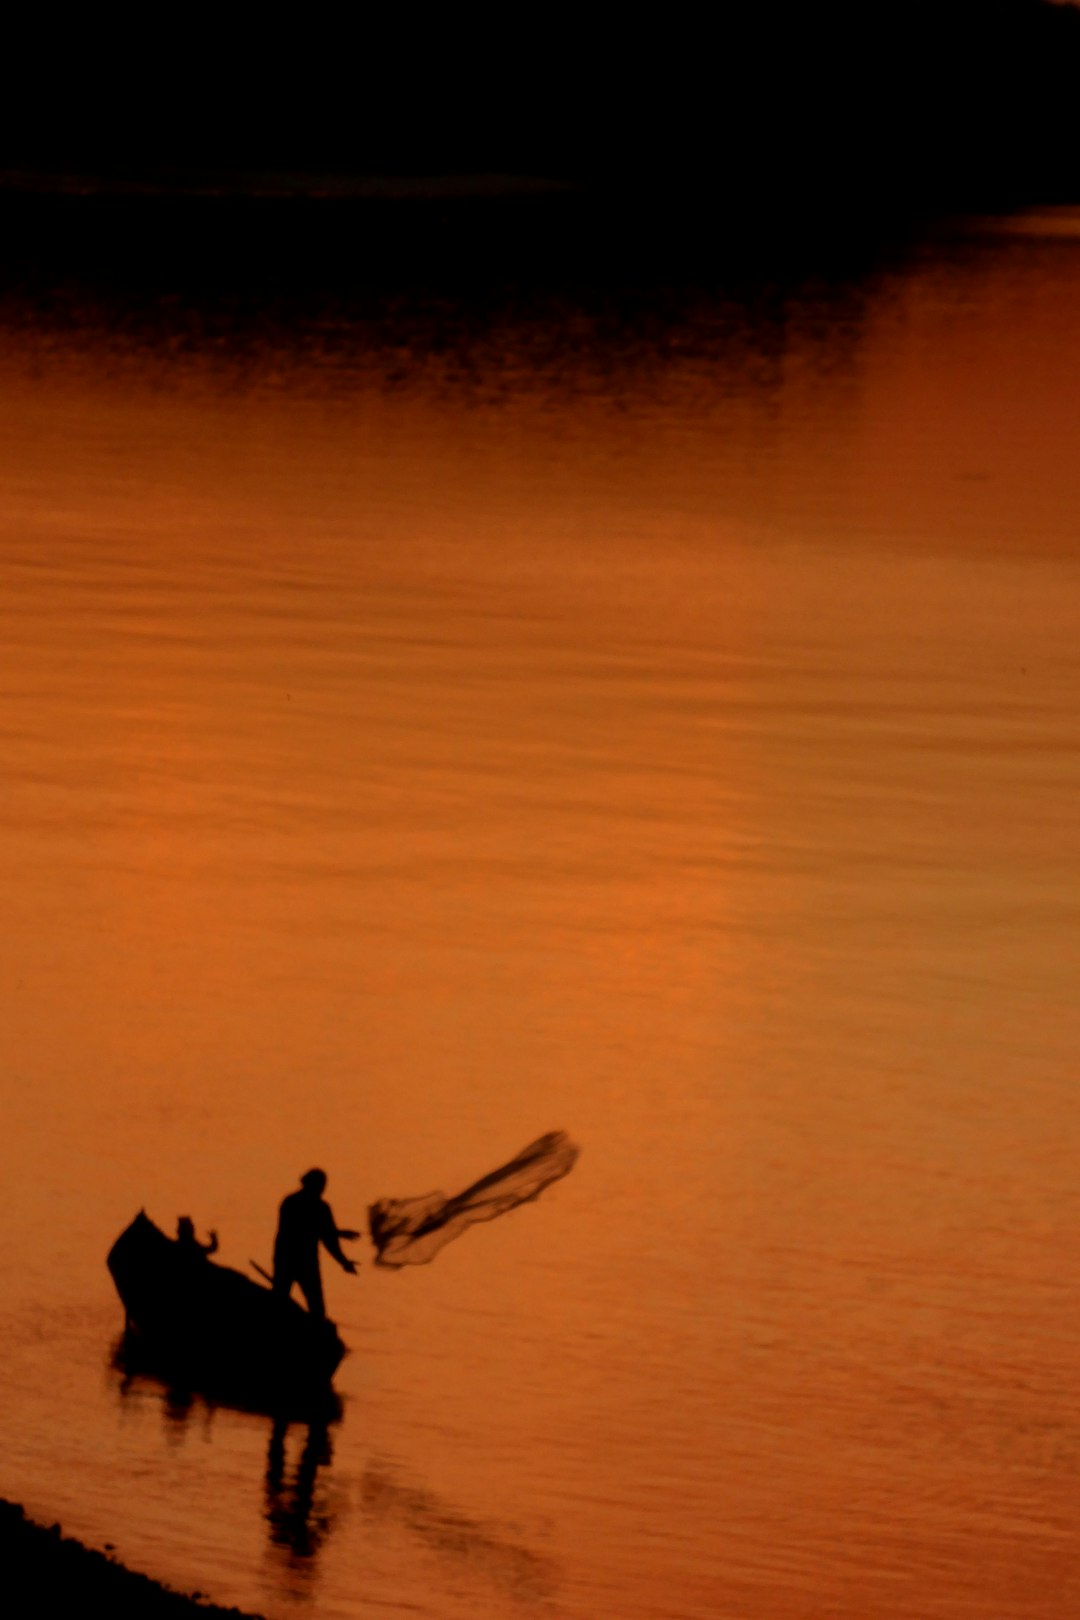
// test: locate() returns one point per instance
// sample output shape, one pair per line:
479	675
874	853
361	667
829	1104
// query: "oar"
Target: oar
261	1272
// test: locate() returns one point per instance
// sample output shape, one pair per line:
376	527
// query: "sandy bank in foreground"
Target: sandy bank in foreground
48	1573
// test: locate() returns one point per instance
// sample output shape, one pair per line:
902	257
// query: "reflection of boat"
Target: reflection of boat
212	1326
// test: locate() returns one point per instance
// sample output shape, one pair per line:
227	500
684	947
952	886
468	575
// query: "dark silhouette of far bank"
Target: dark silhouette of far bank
757	110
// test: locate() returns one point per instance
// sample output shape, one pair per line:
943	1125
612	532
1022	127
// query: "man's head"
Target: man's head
314	1182
185	1229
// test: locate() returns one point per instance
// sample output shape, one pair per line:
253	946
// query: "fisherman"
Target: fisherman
189	1246
306	1220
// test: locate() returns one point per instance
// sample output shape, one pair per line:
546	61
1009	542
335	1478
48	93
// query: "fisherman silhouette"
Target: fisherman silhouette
305	1220
189	1245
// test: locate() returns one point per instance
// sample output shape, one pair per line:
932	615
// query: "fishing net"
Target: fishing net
411	1231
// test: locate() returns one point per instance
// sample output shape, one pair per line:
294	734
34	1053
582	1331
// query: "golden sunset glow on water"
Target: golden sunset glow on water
411	751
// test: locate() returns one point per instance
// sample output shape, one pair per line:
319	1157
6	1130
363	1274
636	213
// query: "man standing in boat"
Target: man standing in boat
306	1220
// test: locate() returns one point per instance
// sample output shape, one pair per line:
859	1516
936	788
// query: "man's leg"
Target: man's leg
311	1287
284	1277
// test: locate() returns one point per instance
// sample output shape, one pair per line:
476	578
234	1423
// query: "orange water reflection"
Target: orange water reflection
682	756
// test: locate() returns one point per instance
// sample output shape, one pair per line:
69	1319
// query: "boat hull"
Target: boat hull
212	1327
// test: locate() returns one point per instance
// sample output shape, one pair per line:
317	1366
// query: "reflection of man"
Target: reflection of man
305	1220
299	1517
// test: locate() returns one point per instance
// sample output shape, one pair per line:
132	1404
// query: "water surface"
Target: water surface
655	721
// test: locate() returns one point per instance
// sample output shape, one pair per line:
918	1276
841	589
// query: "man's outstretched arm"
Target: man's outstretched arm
329	1236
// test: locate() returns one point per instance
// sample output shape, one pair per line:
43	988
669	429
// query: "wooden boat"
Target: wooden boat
213	1327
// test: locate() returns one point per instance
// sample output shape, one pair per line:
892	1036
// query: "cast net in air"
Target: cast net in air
411	1231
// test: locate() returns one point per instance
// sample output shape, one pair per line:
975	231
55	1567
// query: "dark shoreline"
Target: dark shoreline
58	1575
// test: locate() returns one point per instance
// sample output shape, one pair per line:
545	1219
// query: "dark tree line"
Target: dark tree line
913	104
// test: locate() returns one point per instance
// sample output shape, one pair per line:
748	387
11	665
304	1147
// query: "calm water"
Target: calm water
420	737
